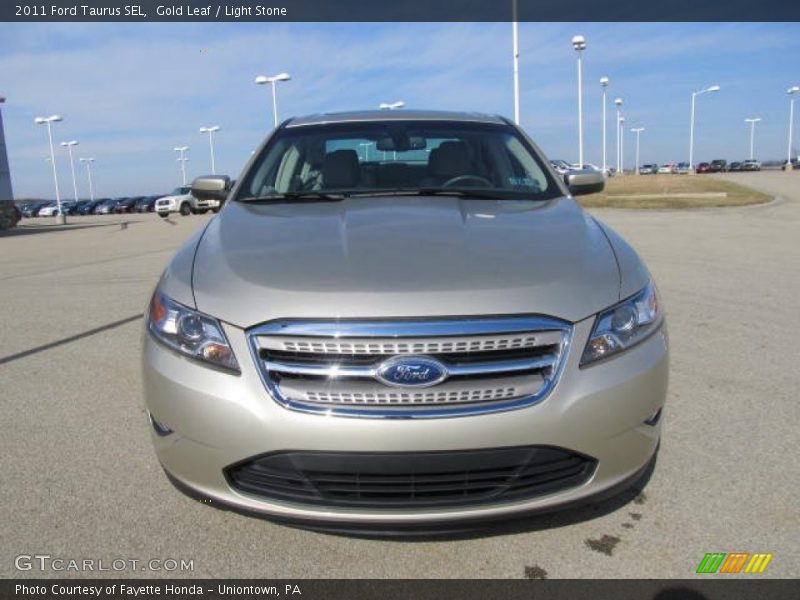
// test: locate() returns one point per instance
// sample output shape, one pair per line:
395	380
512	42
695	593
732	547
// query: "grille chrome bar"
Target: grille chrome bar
336	371
373	393
395	346
331	367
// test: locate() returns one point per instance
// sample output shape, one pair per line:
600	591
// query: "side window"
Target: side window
526	171
287	170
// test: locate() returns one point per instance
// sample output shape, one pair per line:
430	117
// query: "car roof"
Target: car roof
393	115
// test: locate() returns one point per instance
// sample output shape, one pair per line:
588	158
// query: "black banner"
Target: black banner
730	588
400	10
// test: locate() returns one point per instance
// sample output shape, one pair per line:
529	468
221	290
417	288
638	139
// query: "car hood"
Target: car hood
403	257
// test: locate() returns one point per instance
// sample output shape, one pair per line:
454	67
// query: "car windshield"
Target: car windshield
417	157
180	191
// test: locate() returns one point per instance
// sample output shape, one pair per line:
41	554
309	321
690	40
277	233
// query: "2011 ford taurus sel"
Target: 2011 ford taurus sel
403	319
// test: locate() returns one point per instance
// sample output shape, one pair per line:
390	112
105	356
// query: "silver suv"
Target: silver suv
181	200
404	319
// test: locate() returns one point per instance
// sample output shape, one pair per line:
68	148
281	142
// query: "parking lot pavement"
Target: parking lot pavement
80	479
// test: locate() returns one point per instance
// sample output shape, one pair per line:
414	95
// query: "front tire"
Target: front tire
185	209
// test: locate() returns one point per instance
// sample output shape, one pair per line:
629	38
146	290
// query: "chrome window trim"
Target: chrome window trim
409	329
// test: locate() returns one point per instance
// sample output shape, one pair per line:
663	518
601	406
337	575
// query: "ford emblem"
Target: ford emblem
411	371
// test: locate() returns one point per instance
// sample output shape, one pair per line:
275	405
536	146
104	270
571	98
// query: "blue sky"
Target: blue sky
129	93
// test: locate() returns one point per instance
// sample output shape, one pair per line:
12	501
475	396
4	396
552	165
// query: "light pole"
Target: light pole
210	131
182	159
791	91
752	134
713	88
622	145
68	146
366	150
263	80
618	103
579	44
604	85
391	105
515	50
88	162
48	121
637	131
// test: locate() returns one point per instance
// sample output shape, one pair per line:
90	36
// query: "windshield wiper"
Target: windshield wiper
476	193
308	196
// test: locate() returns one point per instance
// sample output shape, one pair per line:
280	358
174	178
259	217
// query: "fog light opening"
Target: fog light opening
655	418
160	429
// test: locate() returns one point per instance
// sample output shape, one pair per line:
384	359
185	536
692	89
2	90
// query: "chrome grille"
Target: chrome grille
406	398
334	367
416	346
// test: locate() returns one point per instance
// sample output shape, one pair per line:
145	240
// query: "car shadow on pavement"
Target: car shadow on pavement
622	495
68	340
30	229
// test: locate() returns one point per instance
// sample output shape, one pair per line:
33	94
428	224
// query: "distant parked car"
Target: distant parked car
31	209
68	207
76	208
145	204
182	201
88	207
683	168
668	168
648	169
106	207
562	167
585	167
719	166
703	167
48	210
751	164
735	166
125	205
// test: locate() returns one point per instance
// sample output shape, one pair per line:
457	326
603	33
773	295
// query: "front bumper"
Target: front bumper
166	207
218	420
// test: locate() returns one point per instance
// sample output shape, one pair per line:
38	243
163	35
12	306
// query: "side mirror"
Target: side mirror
211	187
584	182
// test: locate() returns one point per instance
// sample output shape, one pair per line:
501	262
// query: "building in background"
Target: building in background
8	214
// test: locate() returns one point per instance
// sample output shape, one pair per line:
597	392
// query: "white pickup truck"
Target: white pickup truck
182	201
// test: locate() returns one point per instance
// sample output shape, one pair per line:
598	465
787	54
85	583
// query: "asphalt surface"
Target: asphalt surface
80	481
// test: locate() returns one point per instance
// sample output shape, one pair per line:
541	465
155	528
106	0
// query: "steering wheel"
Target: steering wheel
460	178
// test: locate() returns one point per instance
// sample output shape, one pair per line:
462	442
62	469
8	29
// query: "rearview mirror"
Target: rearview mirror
401	143
584	182
211	187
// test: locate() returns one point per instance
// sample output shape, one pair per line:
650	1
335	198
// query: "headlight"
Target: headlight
623	325
189	332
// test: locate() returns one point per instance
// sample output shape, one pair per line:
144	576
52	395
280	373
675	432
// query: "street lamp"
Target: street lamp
49	121
68	146
210	131
752	134
622	145
637	131
515	51
366	150
88	162
182	159
618	102
263	80
604	85
713	88
579	44
791	91
391	105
